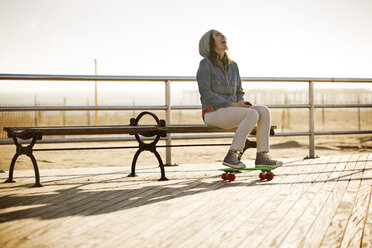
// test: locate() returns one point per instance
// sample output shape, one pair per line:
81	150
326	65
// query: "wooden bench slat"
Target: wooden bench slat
114	129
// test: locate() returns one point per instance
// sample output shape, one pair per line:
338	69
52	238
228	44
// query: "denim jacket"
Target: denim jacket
218	89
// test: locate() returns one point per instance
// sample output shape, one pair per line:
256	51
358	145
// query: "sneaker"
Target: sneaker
232	160
263	160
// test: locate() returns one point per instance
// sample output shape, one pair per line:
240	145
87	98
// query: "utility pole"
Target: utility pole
95	92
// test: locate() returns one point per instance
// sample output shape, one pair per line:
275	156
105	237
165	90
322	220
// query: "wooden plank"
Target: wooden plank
320	192
195	209
335	231
192	206
183	200
189	209
264	203
261	216
47	195
354	232
124	129
367	232
76	199
293	230
85	207
336	190
354	229
293	207
116	129
136	215
235	208
121	204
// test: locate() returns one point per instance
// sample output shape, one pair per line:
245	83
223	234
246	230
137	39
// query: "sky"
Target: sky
267	38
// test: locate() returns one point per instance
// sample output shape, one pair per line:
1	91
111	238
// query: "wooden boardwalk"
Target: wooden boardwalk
324	202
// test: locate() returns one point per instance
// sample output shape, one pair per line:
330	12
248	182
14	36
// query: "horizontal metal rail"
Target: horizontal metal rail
168	107
163	107
43	77
354	105
79	108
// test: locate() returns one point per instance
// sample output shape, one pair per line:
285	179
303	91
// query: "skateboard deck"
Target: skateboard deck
229	173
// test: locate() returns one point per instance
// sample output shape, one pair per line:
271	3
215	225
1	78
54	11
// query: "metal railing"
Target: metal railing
168	107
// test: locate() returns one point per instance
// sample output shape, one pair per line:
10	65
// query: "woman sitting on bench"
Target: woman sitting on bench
223	103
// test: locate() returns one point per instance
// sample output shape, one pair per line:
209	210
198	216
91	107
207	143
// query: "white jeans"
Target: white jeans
244	119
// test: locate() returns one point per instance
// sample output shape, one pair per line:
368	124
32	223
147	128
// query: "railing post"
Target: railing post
168	119
311	121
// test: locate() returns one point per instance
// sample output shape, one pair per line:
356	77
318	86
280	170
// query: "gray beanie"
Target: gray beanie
204	44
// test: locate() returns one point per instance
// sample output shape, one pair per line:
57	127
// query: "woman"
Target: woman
221	95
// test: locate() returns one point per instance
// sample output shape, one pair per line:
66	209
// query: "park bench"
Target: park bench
157	131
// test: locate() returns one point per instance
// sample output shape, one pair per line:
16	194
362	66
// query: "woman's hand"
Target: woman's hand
243	104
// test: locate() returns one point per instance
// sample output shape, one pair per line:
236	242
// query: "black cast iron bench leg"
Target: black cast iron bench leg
142	146
26	150
151	148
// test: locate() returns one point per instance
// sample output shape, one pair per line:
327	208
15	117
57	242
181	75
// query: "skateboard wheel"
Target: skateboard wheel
224	176
269	176
231	177
262	177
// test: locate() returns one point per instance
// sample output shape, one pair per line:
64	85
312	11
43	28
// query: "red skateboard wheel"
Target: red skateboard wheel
261	176
223	176
231	177
269	176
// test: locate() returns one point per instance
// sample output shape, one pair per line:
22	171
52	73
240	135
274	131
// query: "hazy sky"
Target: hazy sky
267	38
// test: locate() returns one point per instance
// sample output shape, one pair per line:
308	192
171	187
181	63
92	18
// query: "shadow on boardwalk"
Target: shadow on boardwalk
73	199
77	201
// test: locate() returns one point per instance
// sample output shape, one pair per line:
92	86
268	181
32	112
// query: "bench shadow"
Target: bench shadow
77	201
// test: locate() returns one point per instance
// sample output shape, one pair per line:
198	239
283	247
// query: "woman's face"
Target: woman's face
220	41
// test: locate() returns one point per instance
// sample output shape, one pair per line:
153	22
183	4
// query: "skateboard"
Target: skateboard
229	173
